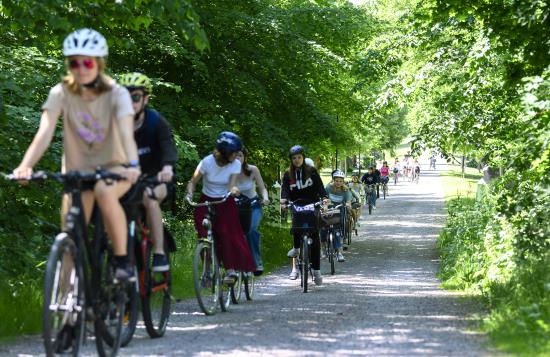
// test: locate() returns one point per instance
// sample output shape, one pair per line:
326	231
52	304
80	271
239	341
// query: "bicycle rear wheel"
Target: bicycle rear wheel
156	298
330	251
237	288
63	312
224	290
249	287
385	190
206	278
304	269
110	302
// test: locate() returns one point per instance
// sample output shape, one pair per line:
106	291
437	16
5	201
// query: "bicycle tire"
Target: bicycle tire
384	190
304	269
72	337
156	300
249	287
205	279
224	290
237	288
331	251
110	306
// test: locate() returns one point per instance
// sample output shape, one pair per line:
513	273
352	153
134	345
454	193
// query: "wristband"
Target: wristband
133	163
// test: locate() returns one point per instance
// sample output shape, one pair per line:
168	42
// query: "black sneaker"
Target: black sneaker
124	274
160	263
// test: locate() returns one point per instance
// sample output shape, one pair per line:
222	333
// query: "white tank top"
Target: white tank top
247	186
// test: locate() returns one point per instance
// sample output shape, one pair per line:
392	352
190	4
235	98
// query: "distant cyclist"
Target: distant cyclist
302	182
385	173
157	157
370	178
396	170
358	190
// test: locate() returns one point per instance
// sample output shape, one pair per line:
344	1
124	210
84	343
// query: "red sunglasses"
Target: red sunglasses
87	63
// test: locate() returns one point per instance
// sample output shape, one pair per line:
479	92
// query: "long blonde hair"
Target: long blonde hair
104	82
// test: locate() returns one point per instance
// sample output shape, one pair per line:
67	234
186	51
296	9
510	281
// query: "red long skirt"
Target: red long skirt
231	246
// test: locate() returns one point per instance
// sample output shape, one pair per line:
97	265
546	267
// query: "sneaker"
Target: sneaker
374	207
160	263
293	274
259	270
293	253
317	278
340	257
230	277
124	274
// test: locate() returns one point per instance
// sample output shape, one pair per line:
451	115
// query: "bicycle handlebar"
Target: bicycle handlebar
69	176
207	203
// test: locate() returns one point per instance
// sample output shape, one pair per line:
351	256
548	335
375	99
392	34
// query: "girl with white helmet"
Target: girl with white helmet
97	132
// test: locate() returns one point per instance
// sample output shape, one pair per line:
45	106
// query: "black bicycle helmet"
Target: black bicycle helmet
228	142
296	149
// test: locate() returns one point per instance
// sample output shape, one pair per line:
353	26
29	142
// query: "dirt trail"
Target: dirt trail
383	301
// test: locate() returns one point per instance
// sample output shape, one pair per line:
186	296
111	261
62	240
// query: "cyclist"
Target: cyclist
302	182
370	178
416	166
396	170
385	173
157	156
338	193
98	121
246	183
357	191
378	175
219	172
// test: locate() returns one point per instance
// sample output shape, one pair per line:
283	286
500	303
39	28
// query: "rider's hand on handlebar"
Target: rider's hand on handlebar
265	202
235	191
21	173
166	174
131	174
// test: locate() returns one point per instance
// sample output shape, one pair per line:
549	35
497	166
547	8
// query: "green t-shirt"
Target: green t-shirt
338	197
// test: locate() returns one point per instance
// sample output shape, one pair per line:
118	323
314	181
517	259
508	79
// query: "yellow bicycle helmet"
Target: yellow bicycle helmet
136	80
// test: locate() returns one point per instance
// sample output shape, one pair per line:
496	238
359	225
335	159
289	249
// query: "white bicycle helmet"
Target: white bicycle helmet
309	162
85	42
338	173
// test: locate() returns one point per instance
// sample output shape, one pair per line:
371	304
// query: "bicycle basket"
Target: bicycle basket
330	217
304	218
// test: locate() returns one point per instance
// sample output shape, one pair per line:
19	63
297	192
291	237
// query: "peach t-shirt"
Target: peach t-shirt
91	133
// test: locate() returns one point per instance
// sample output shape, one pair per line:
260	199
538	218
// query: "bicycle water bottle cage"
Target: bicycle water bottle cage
206	223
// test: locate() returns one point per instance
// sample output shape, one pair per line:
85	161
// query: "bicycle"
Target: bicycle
308	223
154	289
369	189
79	284
395	176
332	220
385	188
207	272
245	278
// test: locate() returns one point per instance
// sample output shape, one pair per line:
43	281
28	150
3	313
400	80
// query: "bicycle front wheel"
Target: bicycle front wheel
330	251
63	312
206	278
305	263
156	297
224	290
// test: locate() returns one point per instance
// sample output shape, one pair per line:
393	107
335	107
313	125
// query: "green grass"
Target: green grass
455	185
20	309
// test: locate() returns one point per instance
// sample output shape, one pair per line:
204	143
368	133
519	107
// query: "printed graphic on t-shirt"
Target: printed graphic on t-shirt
301	185
91	130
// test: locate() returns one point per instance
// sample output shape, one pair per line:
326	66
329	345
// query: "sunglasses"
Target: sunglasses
87	63
136	98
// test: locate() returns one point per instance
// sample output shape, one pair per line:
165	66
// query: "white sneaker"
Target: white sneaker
374	207
317	278
340	257
293	253
293	274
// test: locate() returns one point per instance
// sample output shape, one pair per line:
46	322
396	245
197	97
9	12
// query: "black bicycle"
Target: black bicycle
305	221
369	189
332	220
79	283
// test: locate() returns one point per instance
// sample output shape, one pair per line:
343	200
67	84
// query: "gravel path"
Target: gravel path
383	301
